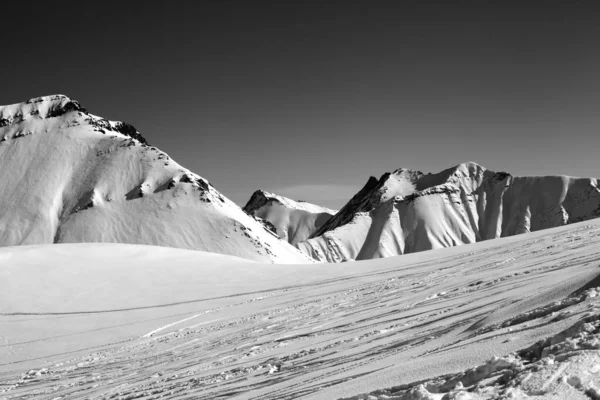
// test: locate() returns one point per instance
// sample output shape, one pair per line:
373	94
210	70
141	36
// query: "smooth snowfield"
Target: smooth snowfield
123	322
69	176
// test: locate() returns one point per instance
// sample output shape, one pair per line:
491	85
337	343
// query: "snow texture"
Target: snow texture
516	317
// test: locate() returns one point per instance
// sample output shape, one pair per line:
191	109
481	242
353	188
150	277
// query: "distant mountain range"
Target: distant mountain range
70	176
407	211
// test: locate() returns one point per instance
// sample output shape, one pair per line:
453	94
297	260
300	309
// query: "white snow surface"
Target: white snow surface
411	212
516	317
341	244
294	221
69	176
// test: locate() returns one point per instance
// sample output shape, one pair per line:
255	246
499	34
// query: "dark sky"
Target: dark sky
309	98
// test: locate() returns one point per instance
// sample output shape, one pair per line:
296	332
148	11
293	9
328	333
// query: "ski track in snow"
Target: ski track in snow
396	328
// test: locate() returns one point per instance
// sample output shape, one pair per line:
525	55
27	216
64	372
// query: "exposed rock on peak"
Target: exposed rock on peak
41	107
129	130
59	105
62	108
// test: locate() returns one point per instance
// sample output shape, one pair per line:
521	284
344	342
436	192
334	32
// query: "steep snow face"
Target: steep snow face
70	176
341	244
410	211
400	182
292	220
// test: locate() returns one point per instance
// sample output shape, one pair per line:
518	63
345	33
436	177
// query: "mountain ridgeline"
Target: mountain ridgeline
70	176
407	211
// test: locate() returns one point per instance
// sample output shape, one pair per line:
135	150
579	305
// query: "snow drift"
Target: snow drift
407	211
292	220
70	176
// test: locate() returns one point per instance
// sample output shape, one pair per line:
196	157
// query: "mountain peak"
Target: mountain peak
261	197
467	203
57	105
470	167
38	107
48	98
72	176
407	172
292	220
469	164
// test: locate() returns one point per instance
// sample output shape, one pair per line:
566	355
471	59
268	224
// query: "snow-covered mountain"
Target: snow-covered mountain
292	220
407	211
70	176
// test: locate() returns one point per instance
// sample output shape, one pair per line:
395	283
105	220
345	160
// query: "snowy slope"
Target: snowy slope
515	316
70	176
410	211
292	220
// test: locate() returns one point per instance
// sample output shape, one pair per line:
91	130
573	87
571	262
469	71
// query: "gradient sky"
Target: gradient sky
310	98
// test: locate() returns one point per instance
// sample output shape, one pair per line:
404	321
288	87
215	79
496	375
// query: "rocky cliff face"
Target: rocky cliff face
407	211
70	176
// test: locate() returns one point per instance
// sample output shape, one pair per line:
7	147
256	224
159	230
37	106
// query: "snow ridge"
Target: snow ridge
56	106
